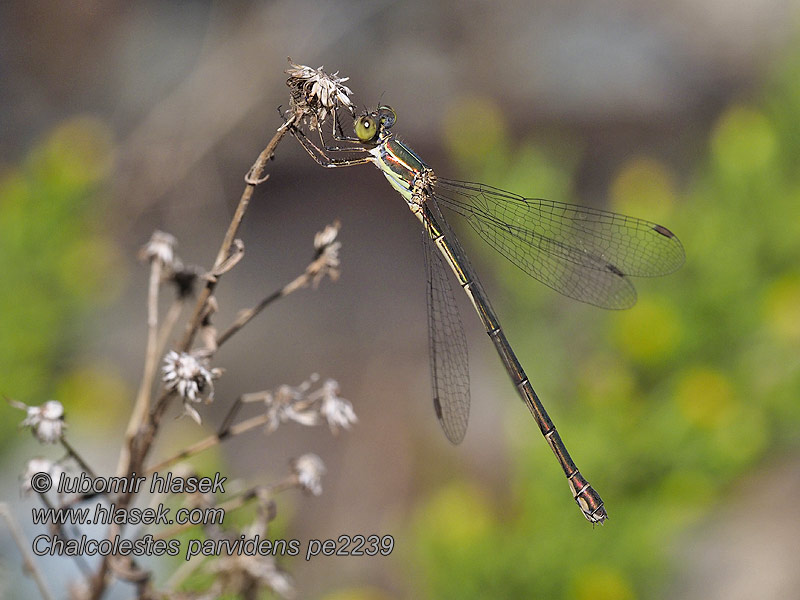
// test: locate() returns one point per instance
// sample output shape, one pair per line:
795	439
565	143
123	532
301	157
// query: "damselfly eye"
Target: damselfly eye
387	115
365	127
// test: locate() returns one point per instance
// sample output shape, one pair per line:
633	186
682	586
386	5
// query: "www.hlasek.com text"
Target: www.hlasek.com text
114	515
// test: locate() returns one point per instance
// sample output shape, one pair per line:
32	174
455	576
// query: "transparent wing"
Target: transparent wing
447	347
584	253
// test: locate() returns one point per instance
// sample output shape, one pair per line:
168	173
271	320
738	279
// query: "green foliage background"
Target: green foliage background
57	264
663	406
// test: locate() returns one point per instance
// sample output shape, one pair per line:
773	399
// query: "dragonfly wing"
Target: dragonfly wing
584	253
447	347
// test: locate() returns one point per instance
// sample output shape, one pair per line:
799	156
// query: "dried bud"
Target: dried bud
161	247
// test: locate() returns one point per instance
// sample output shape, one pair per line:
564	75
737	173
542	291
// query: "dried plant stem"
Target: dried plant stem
254	177
144	421
59	529
29	564
247	315
232	412
141	407
173	313
211	441
71	451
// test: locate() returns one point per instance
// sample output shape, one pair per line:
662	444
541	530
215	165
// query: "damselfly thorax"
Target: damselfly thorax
405	171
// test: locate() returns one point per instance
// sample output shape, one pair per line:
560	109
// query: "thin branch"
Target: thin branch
60	530
249	314
173	313
141	442
142	405
23	547
228	420
254	175
256	172
211	441
72	452
246	315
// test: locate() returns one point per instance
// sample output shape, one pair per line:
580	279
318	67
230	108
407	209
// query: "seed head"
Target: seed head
46	421
327	262
316	93
337	411
309	470
189	376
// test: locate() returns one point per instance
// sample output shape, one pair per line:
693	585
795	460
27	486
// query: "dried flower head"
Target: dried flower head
316	93
189	376
327	236
161	247
309	470
306	407
337	411
40	465
46	421
327	259
289	403
237	573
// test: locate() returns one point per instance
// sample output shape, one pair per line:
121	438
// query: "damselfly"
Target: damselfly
584	253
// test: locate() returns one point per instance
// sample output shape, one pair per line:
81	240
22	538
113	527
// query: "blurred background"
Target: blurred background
119	118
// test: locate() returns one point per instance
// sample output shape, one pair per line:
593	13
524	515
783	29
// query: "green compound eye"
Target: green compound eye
366	129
